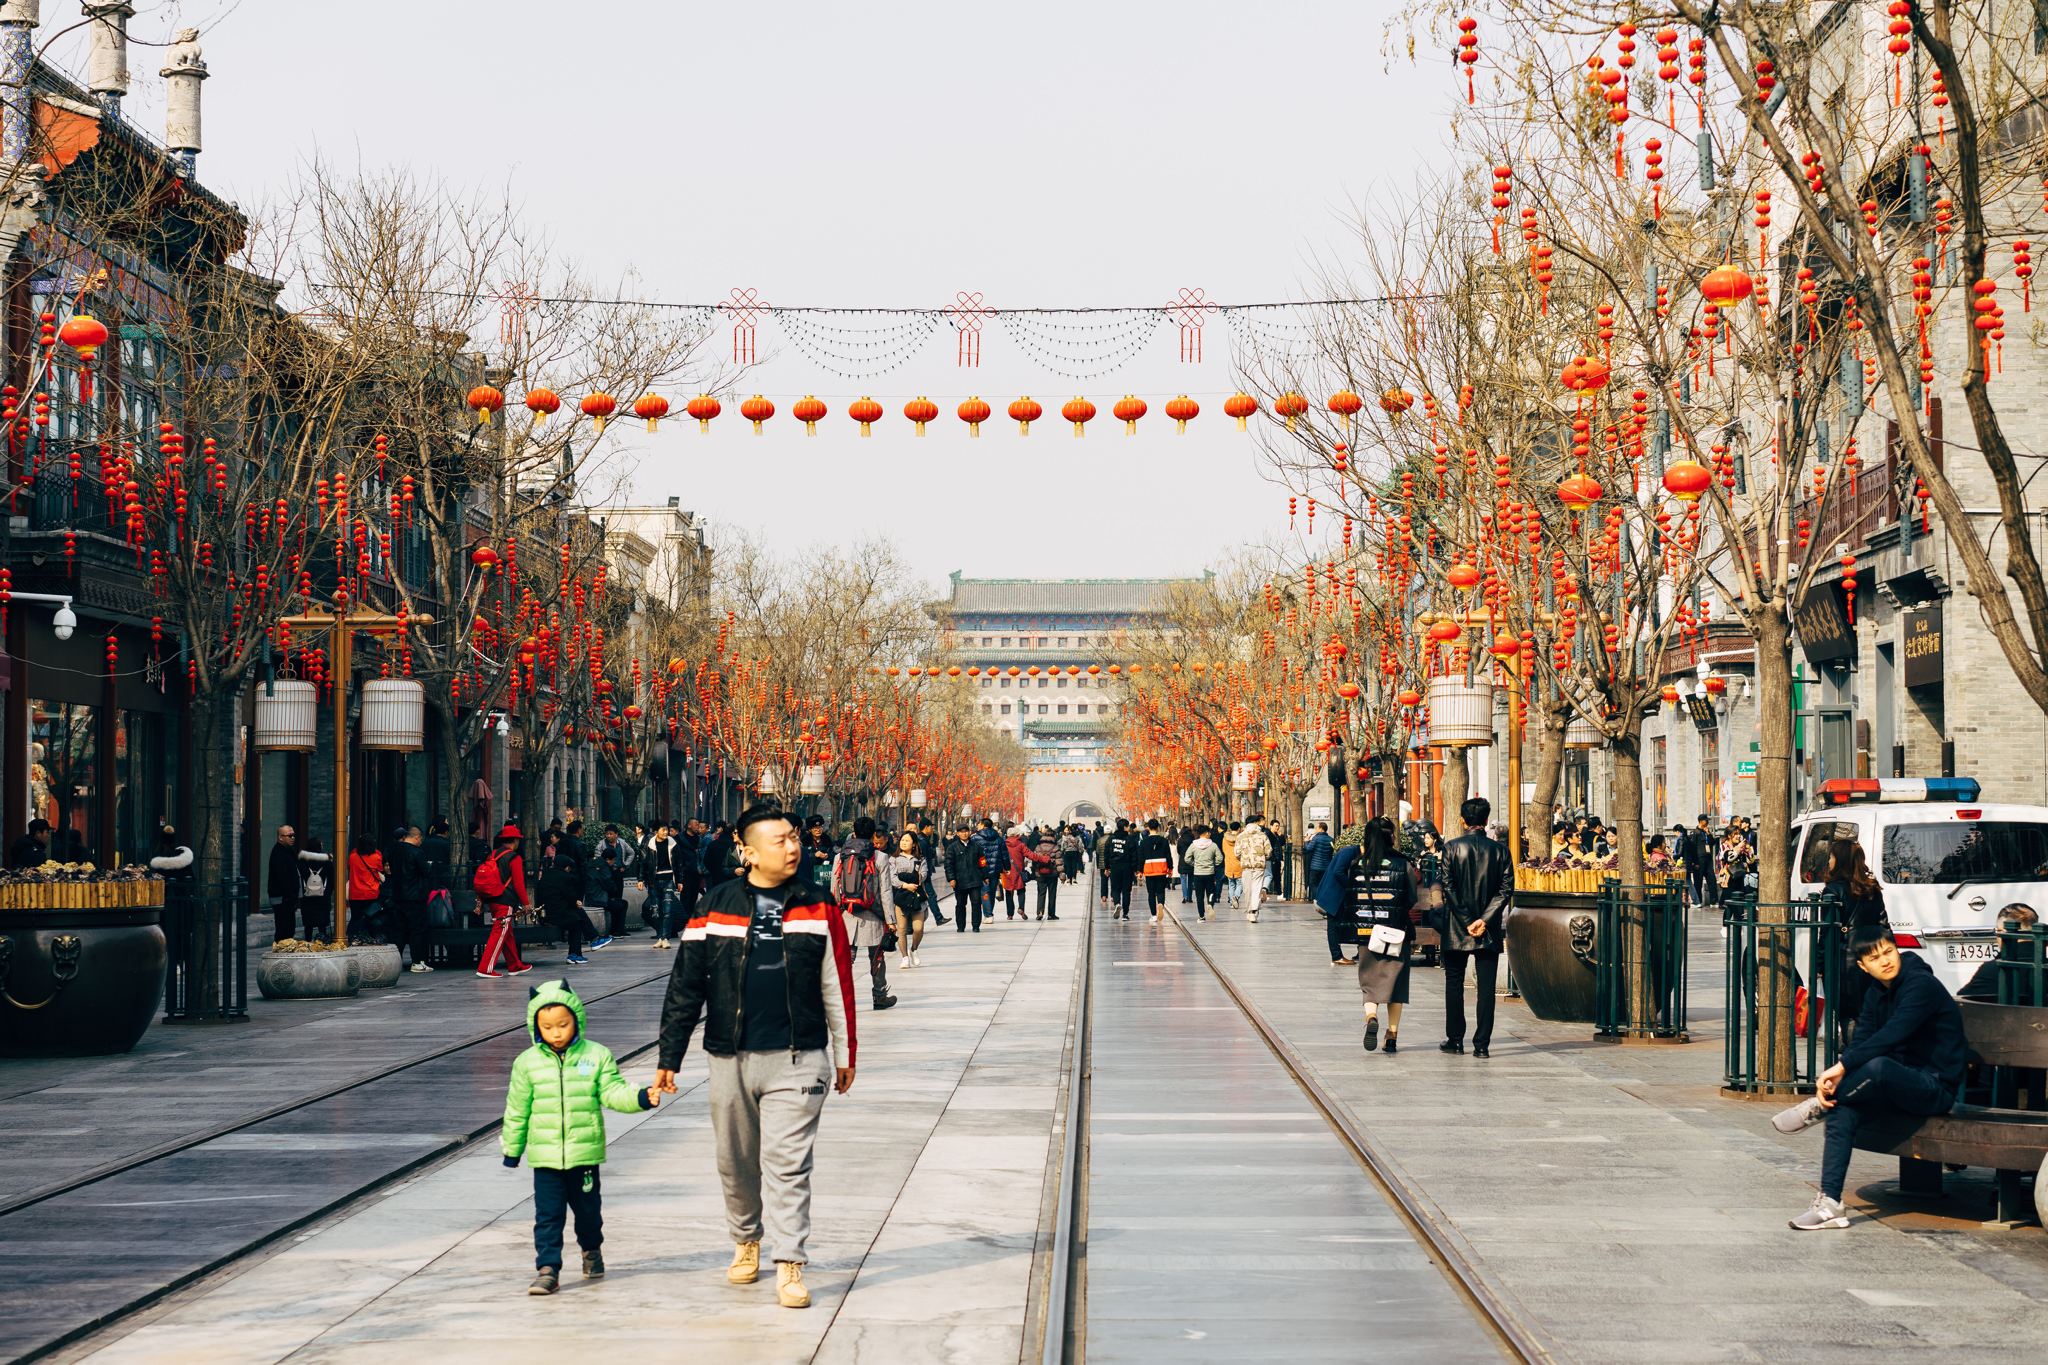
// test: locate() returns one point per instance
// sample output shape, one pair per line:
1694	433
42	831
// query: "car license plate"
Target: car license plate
1981	950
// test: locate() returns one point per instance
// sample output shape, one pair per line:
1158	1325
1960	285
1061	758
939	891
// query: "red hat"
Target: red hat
511	831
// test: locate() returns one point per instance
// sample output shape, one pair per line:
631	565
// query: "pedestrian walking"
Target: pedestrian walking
963	874
1908	1057
928	849
1182	841
658	863
437	864
1233	870
554	1119
409	890
500	885
1278	848
1203	863
1253	850
365	886
561	892
776	999
995	860
909	875
1155	859
1698	850
1478	883
316	893
1070	855
1317	855
857	887
1045	870
1016	866
281	882
1371	892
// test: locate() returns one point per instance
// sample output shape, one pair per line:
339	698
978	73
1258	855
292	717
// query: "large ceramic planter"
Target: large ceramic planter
380	964
79	981
309	976
1550	937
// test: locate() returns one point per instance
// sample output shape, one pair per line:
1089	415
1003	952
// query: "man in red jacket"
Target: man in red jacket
766	966
500	884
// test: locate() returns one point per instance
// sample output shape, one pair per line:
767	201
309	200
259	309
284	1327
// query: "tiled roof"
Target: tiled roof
1025	596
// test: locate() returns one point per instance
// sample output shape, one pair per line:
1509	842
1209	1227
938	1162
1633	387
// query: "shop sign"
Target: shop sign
1923	647
1702	709
1823	630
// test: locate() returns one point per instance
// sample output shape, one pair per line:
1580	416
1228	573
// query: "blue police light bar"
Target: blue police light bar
1841	791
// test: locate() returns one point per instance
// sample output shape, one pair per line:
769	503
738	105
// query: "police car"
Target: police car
1947	863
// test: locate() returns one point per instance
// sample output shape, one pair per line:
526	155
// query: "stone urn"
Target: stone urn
380	964
329	975
1551	945
79	982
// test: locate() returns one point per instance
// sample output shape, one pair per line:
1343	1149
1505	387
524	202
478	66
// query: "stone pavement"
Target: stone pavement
1635	1214
931	1178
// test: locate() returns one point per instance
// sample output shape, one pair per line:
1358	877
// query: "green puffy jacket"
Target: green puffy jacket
554	1111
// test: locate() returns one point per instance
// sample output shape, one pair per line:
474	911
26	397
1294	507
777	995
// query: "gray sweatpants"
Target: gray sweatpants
764	1118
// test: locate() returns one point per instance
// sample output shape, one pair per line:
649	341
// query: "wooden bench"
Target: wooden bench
2012	1142
457	945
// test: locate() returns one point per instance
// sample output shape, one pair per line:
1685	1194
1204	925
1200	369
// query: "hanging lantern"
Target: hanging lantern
1468	53
974	412
921	410
287	717
485	400
1395	401
811	781
543	404
865	411
1460	717
1714	684
757	410
394	715
1443	632
1024	412
1348	691
651	406
1579	492
1585	374
810	411
704	407
1725	287
1128	410
1670	694
1182	410
1290	406
599	406
1686	480
1241	406
1080	412
1463	577
484	557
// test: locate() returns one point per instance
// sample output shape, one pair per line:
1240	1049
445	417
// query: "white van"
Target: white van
1948	865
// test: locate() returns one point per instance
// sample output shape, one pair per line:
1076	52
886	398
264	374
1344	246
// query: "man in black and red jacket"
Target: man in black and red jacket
766	966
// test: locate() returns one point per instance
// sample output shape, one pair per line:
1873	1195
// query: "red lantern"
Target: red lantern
1396	401
1579	492
1409	697
810	411
1128	410
1182	410
1024	412
865	411
1290	406
1464	577
1468	52
1080	412
1714	686
921	410
485	400
1726	287
757	410
84	335
1686	480
652	406
484	557
542	403
1241	406
1348	691
1585	374
1670	694
1443	632
599	406
974	412
704	407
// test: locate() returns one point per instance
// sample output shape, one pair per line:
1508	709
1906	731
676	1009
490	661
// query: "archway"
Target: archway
1083	810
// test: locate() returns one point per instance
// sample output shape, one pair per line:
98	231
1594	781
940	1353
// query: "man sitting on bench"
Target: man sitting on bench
1907	1058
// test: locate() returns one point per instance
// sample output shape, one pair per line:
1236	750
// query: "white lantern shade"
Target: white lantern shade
287	717
1186	801
892	797
394	715
811	782
1243	777
1582	733
1459	716
917	798
770	783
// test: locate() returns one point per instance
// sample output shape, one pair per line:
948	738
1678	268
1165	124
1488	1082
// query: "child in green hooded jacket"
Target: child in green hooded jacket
554	1116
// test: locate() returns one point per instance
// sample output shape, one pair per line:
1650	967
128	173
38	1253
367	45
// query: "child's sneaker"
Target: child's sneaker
746	1263
593	1265
789	1285
546	1282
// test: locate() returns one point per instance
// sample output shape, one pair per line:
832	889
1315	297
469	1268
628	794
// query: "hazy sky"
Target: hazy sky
889	154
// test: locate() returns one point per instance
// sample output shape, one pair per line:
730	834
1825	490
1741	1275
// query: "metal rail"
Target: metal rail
1516	1340
190	1140
1062	1270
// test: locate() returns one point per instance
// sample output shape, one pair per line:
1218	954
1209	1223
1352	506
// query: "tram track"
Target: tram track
1062	1343
242	1225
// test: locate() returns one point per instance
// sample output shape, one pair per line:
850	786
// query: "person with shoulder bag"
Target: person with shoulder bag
316	888
1369	893
857	889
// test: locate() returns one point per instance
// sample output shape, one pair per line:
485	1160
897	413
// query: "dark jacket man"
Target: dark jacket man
963	862
708	980
281	880
1319	851
30	850
408	873
1915	1021
995	857
437	861
1479	881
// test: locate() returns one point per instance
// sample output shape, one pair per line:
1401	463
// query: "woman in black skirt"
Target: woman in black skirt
1371	889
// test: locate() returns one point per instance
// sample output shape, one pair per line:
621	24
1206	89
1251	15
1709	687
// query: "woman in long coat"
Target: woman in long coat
1013	875
1372	887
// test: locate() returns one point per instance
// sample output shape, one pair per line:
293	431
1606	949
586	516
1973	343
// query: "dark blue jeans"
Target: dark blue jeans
1877	1090
1342	930
554	1194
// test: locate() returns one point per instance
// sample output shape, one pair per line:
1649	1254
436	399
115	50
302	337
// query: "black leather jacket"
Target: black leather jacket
1479	881
707	983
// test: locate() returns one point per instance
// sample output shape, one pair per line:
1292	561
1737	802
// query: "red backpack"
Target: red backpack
489	877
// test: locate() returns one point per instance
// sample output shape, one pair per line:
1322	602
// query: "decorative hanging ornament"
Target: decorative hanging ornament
1182	410
84	335
974	412
757	410
599	406
1080	412
704	407
542	403
921	410
1024	412
1290	406
1468	53
810	410
1128	410
1241	406
651	406
865	411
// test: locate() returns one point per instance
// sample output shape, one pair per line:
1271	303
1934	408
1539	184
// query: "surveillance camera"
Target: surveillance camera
64	623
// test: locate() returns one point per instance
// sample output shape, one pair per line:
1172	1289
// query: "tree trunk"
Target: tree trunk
1628	837
1457	777
1775	979
1541	812
211	820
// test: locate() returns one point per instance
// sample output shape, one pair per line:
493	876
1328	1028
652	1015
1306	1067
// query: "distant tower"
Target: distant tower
107	68
181	114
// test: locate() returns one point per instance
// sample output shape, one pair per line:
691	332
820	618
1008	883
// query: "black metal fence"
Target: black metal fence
1787	976
1640	962
206	931
2020	972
